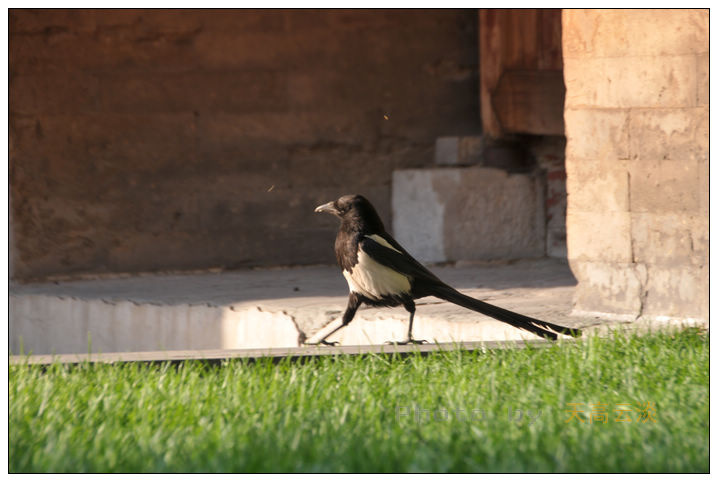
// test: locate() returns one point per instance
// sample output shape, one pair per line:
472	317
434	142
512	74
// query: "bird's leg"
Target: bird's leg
411	308
352	306
409	338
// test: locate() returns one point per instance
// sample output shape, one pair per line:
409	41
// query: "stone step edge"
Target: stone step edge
218	355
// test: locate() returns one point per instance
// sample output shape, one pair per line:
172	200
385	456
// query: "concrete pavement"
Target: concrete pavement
272	308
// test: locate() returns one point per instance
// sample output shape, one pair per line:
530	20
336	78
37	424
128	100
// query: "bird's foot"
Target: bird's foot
410	341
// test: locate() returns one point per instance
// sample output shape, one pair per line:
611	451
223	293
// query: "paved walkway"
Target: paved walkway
272	308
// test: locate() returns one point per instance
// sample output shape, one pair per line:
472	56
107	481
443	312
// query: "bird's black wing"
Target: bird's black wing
396	258
425	283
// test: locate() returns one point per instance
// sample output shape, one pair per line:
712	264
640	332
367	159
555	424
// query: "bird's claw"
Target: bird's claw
323	342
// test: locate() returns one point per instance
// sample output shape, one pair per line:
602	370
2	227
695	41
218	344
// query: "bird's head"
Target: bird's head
354	208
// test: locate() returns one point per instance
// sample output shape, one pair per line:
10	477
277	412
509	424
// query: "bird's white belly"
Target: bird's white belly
374	280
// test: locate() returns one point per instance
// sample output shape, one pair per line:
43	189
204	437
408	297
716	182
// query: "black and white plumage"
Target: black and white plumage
382	273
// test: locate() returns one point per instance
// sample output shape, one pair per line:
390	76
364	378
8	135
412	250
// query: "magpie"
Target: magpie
382	273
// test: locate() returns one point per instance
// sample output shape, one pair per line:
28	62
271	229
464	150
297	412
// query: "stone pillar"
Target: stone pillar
636	119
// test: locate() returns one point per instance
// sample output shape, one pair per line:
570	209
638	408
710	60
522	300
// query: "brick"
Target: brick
549	153
308	90
143	140
302	131
61	93
578	31
703	187
470	149
620	32
556	242
702	133
458	151
596	134
36	21
703	79
206	92
700	239
25	132
615	288
580	88
220	20
661	81
136	39
597	185
623	82
664	186
28	21
677	291
237	50
663	238
595	236
446	151
668	134
84	156
103	52
556	201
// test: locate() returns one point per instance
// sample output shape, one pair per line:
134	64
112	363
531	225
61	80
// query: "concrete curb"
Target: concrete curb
277	353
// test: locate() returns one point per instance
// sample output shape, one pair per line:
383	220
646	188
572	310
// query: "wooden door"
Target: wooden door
521	72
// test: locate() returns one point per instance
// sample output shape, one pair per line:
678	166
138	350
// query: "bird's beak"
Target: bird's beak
329	207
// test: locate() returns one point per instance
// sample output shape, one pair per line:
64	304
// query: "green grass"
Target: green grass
360	414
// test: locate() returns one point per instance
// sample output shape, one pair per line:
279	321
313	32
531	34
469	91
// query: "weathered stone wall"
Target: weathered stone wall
154	140
637	160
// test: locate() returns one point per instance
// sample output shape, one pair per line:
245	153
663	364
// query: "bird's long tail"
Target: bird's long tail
543	329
